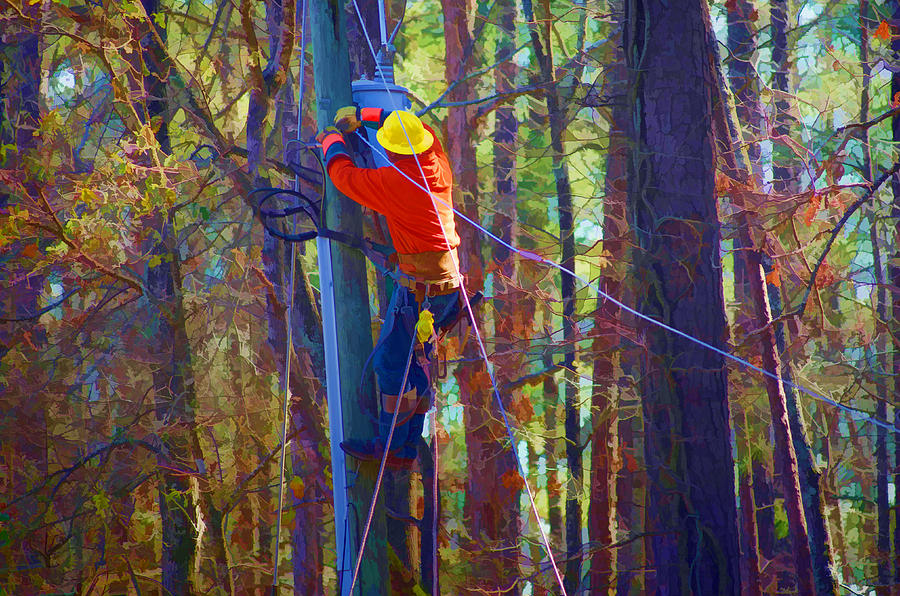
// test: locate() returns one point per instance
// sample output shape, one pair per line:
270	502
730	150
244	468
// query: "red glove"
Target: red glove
333	144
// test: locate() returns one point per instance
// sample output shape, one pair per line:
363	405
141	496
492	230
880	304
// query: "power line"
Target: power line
856	414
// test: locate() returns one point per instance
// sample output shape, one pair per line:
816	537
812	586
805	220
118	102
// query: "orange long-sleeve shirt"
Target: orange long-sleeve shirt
408	209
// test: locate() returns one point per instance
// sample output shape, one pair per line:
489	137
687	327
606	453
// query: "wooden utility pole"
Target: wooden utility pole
331	69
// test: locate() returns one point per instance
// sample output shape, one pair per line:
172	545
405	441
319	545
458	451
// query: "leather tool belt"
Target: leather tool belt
429	273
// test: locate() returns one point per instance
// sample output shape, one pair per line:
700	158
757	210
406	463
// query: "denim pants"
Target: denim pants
396	337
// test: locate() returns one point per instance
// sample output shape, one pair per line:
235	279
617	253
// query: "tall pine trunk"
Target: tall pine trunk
607	348
673	210
264	86
894	275
308	426
881	379
511	318
754	289
486	515
556	115
173	379
23	423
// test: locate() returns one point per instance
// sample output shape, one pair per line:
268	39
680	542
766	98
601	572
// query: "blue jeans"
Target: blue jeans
396	336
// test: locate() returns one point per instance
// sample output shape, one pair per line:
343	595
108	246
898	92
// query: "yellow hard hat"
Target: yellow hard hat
403	133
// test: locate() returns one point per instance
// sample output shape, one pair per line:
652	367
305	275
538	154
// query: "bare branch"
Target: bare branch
837	229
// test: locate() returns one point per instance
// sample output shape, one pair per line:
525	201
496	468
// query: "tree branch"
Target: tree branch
46	309
837	229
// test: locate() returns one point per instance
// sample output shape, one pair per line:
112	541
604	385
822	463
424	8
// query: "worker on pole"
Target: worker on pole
414	195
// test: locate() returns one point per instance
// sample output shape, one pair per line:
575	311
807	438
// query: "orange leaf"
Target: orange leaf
884	31
31	251
811	209
896	102
825	276
511	480
773	278
523	409
836	65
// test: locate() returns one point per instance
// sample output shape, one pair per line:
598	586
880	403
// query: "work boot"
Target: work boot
373	449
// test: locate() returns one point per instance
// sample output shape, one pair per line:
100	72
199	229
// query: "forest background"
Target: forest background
725	168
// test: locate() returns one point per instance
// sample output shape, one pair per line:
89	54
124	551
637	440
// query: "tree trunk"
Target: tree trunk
513	312
23	423
752	586
784	172
894	276
308	426
173	376
265	82
672	203
551	457
540	40
487	514
605	462
881	379
748	171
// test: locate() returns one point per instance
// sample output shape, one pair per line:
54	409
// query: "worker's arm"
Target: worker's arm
366	186
373	117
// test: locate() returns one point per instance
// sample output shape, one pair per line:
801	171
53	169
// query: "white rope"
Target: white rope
387	447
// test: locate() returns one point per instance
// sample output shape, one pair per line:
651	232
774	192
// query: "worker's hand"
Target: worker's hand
328	130
346	119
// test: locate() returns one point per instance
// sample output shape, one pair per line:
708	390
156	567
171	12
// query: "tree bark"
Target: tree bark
784	172
308	426
556	113
752	586
673	209
173	377
488	453
894	276
551	457
605	458
23	423
513	312
880	380
747	169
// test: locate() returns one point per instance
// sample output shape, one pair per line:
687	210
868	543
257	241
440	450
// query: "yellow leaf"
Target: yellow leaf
155	261
88	197
297	487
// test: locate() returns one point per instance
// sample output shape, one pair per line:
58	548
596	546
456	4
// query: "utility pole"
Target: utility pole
346	301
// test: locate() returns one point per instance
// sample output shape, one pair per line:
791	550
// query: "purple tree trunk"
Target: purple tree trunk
673	209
